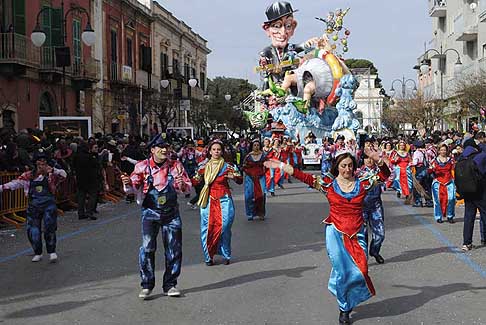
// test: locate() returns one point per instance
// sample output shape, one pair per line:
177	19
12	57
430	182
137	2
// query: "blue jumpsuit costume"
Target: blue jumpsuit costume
373	215
42	208
160	210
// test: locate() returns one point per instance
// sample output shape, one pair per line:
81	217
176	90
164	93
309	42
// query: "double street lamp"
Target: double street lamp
88	36
442	55
403	82
164	83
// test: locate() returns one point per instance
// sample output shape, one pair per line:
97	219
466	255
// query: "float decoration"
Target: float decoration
301	83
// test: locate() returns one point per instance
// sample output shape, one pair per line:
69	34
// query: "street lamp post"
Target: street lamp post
88	36
440	54
192	83
403	83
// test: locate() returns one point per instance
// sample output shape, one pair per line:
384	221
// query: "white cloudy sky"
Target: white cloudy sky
391	33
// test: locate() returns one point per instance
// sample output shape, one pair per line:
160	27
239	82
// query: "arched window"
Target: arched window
46	107
8	119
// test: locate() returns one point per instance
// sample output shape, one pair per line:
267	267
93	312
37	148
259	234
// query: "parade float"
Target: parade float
306	88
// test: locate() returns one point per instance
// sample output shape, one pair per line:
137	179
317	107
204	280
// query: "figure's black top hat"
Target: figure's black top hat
278	10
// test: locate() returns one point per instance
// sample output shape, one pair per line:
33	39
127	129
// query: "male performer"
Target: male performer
40	185
158	179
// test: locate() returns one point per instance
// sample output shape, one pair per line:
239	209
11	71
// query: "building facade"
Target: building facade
143	44
32	83
458	32
180	55
369	102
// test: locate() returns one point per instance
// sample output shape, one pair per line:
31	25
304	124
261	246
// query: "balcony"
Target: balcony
84	74
16	54
466	29
121	75
438	8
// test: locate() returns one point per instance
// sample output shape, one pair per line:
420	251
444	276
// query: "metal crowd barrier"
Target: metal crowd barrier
12	202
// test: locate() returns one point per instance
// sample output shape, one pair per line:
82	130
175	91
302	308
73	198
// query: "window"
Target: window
164	65
113	55
145	58
77	44
129	52
186	71
19	16
175	67
202	81
193	73
113	38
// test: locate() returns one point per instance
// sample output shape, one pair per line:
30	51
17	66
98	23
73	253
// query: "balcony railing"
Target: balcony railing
88	70
80	68
16	48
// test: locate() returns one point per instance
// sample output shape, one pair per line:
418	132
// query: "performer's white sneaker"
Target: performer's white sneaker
52	258
36	258
173	292
145	294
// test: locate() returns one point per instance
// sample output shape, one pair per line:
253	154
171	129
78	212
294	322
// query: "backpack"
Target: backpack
468	179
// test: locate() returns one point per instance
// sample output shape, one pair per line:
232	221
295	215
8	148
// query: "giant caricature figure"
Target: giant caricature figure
316	76
280	27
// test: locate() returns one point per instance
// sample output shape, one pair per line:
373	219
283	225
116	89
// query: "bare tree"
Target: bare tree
416	110
163	106
471	94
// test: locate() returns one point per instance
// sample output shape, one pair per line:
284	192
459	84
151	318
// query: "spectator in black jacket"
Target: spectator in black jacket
86	167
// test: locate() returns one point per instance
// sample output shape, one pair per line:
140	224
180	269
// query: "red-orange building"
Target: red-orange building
127	62
31	81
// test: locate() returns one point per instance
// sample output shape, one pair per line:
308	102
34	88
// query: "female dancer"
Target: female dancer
403	173
254	181
388	150
273	175
443	187
216	204
345	236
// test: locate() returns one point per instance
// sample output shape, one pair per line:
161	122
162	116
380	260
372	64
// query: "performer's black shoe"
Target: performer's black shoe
450	220
272	193
92	218
281	187
379	259
210	263
226	262
398	195
440	221
290	182
82	217
344	317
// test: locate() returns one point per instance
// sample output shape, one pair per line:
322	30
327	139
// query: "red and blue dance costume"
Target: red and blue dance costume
443	188
254	183
403	173
273	176
157	190
218	215
346	242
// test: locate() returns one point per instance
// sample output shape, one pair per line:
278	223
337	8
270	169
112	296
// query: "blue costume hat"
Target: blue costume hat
157	141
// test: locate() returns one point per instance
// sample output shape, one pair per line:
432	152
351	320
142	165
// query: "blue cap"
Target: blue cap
157	141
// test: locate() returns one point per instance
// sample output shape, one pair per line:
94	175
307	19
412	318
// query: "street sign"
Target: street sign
185	105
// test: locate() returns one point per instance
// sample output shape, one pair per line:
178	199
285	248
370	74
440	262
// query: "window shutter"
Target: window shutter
56	30
19	16
77	43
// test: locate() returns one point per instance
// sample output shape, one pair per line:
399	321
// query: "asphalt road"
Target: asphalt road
279	272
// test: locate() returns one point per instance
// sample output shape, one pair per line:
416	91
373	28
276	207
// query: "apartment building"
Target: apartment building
54	79
457	49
